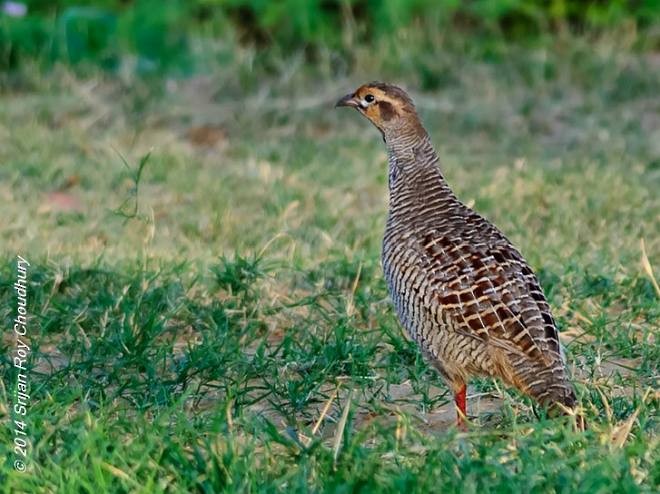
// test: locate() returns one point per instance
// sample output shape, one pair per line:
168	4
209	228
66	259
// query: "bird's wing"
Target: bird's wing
487	291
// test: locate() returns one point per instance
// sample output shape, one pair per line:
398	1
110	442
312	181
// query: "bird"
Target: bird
459	287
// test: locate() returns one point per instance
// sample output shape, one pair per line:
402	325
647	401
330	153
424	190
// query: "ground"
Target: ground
219	321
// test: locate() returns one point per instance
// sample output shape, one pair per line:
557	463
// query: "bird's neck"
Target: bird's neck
417	190
413	163
405	135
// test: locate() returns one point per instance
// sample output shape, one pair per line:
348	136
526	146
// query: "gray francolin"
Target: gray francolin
461	290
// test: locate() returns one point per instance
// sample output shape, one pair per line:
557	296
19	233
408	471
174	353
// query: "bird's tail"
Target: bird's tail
558	397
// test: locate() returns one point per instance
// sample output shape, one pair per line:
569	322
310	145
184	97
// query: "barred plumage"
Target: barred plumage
460	288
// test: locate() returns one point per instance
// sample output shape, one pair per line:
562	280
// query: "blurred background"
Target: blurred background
230	102
184	37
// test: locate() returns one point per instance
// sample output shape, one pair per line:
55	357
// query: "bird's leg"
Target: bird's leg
461	407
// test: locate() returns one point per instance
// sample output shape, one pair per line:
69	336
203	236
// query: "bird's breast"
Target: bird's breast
406	276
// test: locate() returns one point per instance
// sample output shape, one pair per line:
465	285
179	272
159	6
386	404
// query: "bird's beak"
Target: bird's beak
348	100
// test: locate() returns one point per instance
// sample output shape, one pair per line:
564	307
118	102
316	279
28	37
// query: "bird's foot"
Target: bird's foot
461	408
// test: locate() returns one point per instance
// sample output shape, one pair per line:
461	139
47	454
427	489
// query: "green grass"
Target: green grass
188	332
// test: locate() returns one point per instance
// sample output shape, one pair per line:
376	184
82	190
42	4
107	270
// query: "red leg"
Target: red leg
461	407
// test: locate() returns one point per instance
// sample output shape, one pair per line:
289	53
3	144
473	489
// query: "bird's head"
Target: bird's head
388	107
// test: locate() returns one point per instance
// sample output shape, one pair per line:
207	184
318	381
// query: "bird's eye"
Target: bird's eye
369	98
